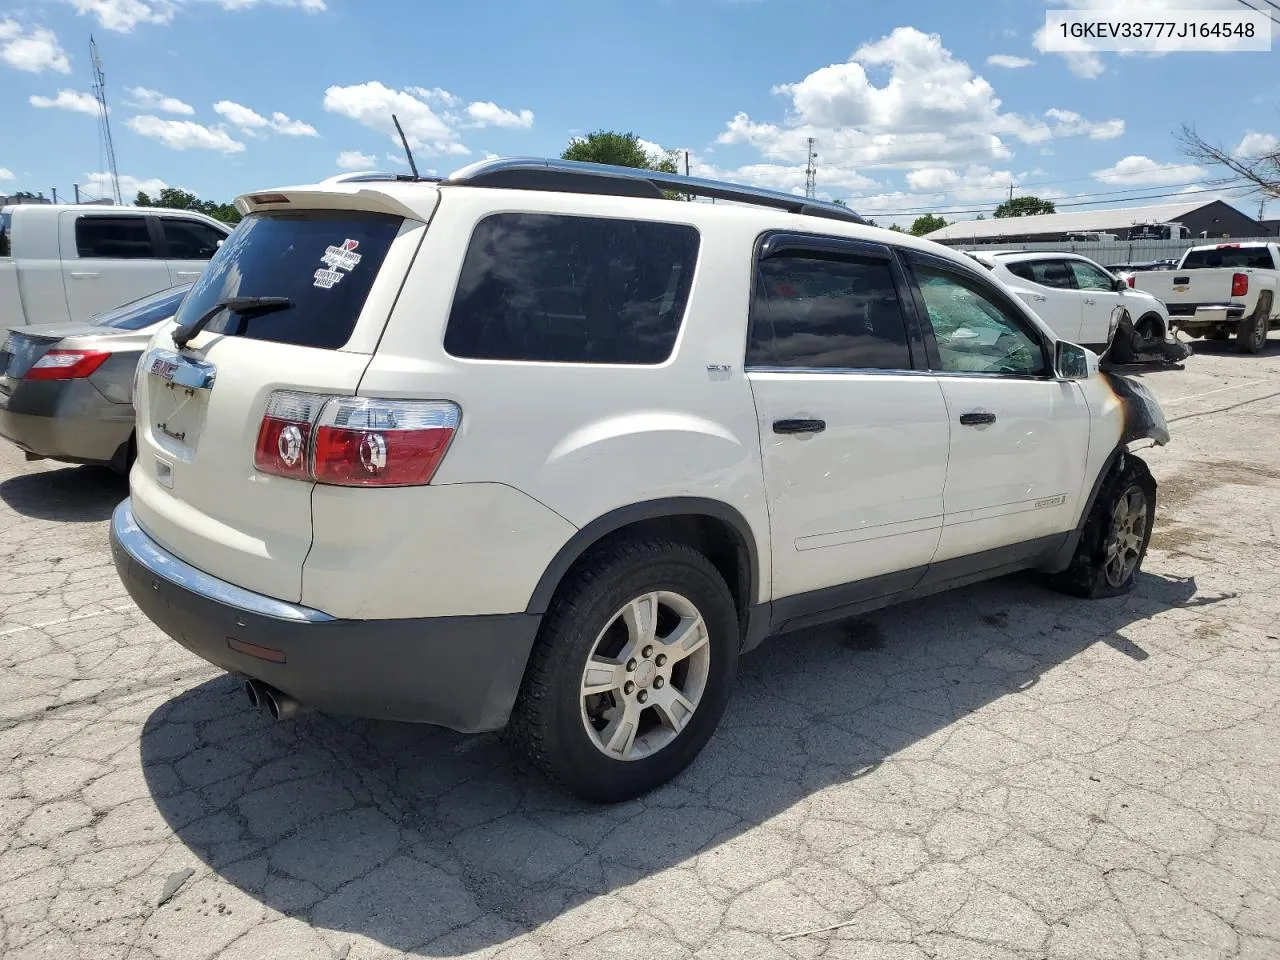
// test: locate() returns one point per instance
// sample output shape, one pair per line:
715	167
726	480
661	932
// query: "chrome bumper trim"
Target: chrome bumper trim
133	540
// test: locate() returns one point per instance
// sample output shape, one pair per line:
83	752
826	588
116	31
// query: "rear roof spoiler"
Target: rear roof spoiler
335	196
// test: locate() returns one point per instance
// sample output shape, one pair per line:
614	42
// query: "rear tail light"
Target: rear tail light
1129	280
1239	284
354	441
66	364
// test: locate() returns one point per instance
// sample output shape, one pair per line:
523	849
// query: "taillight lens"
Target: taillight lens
284	436
66	364
354	441
1129	280
1239	284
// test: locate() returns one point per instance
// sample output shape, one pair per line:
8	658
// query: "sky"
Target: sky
930	106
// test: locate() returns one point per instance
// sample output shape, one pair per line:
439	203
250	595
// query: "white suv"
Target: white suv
536	447
1078	299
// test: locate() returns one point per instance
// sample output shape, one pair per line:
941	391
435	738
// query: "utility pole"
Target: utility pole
811	171
77	186
100	94
686	163
55	196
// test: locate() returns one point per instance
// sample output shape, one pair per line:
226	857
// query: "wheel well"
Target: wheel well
715	537
1152	318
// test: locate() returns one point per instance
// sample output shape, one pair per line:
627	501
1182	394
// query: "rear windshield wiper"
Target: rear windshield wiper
245	306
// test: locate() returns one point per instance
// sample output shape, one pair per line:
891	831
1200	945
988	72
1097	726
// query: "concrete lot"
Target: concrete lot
1003	772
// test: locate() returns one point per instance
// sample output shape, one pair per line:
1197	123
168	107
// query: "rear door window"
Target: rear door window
542	287
1047	273
827	314
323	261
190	239
114	238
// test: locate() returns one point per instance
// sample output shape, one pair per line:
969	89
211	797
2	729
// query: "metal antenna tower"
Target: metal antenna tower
104	122
811	171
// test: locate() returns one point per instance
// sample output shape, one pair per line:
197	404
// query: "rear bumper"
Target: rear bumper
458	672
65	420
1188	314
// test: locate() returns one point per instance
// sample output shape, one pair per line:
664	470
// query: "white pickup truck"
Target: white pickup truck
64	264
1221	289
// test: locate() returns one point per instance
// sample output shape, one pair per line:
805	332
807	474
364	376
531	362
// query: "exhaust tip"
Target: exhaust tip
279	706
251	691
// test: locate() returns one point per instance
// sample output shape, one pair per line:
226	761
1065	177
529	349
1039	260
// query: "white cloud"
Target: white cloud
7	174
282	125
1140	171
146	99
74	100
251	123
33	49
123	16
184	134
486	113
435	95
933	110
398	159
1256	145
244	118
99	185
373	103
1008	61
355	160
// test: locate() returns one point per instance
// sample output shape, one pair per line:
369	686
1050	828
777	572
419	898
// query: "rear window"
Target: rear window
144	311
1258	258
541	287
1047	273
323	261
6	222
114	238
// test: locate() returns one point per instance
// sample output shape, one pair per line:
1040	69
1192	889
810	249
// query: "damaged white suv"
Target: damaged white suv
536	447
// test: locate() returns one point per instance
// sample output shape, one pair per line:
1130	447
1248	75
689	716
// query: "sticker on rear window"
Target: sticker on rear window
336	260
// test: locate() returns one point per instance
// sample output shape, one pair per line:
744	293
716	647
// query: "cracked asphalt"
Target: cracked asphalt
996	773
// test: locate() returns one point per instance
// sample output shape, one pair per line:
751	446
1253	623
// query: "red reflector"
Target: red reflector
253	650
1239	284
66	364
1129	280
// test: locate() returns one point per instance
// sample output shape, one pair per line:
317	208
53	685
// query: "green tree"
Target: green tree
1025	207
896	229
843	203
622	150
171	198
927	224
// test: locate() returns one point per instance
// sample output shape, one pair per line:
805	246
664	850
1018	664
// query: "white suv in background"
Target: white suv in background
1079	300
536	447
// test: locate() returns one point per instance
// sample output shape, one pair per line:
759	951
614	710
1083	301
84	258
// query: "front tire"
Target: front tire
631	671
1114	541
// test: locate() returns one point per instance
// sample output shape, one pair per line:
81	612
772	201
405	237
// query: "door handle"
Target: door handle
799	426
188	273
82	275
1090	301
1039	297
977	419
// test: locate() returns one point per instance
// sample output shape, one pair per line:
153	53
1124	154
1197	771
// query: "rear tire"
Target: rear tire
1114	541
1251	335
606	630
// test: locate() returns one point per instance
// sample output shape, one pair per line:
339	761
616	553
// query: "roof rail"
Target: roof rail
573	176
374	176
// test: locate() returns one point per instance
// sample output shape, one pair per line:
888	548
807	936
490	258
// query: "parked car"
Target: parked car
66	389
1076	297
1222	289
537	447
65	264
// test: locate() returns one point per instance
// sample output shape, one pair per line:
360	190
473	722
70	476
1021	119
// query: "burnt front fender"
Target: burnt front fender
1143	418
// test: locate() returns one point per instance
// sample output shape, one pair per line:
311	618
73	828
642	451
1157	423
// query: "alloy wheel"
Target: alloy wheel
1126	536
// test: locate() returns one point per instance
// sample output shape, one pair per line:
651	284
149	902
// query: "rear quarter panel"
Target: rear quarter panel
583	440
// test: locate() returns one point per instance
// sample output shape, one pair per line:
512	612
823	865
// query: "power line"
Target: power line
1081	203
1268	13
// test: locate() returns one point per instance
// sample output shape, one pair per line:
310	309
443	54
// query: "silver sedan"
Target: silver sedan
66	389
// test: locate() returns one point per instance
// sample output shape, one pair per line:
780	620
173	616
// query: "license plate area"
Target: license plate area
179	391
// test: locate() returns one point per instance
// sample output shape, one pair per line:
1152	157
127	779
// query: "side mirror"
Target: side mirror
1070	362
1120	285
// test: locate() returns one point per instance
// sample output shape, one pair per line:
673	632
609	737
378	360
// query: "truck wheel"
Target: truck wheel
1114	541
631	671
1251	335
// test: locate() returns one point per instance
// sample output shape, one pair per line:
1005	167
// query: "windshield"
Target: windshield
145	311
324	261
1258	258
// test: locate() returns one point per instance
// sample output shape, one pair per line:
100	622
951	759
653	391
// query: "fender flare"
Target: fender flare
599	528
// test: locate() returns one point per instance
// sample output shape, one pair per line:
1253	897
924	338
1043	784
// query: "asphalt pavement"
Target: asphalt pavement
1000	772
